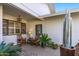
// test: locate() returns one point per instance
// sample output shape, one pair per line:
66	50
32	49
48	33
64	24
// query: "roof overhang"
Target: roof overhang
60	13
41	9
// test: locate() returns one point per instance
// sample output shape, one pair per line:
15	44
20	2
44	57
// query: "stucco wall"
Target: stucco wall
54	28
75	29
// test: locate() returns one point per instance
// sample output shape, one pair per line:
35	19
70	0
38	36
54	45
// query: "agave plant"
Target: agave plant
9	49
44	39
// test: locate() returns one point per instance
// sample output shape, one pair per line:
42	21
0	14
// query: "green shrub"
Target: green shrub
50	44
54	46
9	49
44	39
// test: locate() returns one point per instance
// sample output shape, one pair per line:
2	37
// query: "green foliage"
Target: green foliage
44	39
53	45
9	49
50	44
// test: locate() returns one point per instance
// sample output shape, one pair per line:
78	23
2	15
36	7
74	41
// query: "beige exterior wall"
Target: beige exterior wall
54	28
75	28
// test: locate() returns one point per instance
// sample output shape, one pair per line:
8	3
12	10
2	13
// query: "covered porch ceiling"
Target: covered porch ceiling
14	11
36	9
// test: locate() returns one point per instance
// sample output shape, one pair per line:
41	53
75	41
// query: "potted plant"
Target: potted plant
66	49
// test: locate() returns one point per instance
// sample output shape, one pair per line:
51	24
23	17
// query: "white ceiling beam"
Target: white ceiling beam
51	7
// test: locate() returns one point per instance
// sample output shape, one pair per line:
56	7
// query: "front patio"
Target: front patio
28	50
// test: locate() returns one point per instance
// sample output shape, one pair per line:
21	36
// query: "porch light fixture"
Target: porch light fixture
30	33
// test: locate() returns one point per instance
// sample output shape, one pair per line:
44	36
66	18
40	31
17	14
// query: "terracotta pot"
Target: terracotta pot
67	51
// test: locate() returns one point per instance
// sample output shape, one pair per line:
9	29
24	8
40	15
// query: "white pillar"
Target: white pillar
1	17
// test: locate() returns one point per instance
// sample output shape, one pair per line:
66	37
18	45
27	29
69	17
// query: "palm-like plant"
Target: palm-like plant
44	39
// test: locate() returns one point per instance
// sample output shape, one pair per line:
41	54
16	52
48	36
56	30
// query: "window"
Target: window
23	28
5	27
10	27
18	27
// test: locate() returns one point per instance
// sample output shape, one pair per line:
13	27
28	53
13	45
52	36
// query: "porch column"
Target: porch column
1	16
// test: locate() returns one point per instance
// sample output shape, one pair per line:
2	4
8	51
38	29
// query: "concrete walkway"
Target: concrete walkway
28	50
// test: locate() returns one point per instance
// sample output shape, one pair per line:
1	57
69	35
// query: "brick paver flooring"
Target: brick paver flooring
28	50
